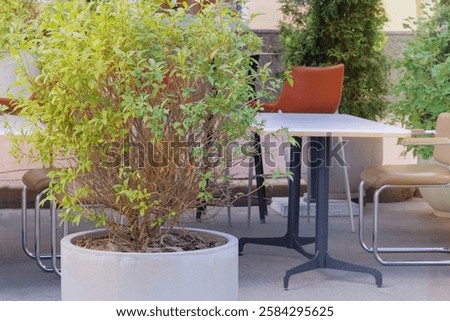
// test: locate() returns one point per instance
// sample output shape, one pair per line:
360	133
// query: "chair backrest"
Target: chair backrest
442	152
8	103
314	90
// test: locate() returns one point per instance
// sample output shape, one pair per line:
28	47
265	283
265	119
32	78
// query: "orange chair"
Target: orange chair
311	90
9	104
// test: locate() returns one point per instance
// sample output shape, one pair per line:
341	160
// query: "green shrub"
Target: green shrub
138	104
423	89
14	14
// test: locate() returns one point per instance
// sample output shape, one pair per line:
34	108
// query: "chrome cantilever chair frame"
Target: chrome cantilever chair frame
36	253
54	238
376	249
443	141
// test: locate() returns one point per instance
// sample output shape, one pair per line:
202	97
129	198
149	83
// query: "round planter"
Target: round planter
437	197
209	274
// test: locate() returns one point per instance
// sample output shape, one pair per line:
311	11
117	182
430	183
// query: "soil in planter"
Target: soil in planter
177	241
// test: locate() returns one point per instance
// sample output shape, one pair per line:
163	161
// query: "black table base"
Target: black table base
259	171
321	258
322	261
291	239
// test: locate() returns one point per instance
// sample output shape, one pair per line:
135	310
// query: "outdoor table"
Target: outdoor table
321	128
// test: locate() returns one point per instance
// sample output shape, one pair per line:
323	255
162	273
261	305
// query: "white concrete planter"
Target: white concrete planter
209	274
437	198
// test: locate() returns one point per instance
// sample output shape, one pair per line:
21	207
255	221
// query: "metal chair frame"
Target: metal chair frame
377	250
441	152
36	252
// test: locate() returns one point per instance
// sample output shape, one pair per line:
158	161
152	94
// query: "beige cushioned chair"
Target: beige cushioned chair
413	175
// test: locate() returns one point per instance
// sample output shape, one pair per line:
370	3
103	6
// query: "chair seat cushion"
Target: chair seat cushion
36	179
414	174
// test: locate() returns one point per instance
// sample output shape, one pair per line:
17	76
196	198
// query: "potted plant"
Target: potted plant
317	33
424	85
136	105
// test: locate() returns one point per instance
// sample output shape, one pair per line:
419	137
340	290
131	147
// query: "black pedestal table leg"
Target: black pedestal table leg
313	163
291	239
294	166
259	171
321	258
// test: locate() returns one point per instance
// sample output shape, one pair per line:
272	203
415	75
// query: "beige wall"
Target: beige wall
268	12
397	11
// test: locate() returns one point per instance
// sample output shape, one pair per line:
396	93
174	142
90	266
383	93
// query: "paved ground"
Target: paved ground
261	268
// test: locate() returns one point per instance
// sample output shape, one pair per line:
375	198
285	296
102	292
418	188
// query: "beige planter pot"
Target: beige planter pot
359	154
210	274
438	198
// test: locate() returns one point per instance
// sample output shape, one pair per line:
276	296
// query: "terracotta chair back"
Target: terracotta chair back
314	90
9	103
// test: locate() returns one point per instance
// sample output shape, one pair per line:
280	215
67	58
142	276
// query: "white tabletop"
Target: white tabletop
319	125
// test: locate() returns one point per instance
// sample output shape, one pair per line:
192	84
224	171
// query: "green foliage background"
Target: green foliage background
15	14
325	32
424	86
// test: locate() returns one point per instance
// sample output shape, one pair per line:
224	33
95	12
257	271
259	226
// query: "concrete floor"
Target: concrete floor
261	268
